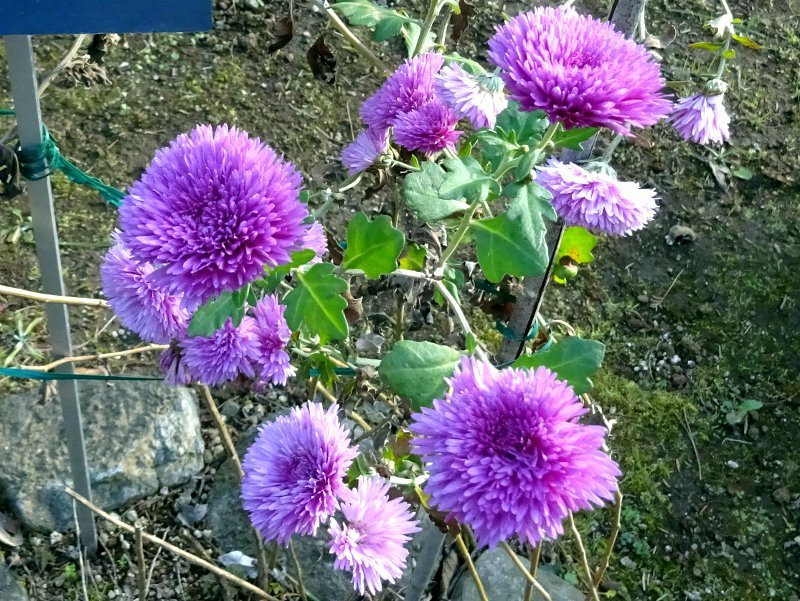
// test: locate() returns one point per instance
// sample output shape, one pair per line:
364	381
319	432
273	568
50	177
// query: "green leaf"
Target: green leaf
750	405
466	179
317	304
747	42
572	138
729	54
411	31
212	315
414	258
527	127
526	163
274	277
421	192
573	359
372	246
417	370
743	173
710	46
388	27
453	280
577	244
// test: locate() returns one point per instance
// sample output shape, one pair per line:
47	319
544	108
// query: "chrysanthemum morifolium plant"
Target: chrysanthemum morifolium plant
221	259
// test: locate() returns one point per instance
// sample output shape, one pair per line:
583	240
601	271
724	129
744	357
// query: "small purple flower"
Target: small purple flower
316	240
294	471
579	70
429	128
271	336
174	368
362	152
225	354
477	98
507	456
406	89
141	305
370	542
211	211
596	200
701	119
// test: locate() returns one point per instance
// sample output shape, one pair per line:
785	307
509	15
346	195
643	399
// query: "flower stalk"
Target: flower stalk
462	548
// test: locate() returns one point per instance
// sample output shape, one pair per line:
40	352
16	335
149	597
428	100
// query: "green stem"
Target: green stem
403	165
353	38
430	17
722	60
457	238
547	139
442	38
612	146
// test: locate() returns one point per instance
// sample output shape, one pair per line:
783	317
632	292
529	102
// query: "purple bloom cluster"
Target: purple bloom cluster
371	541
428	128
362	152
507	456
479	99
595	199
701	119
579	70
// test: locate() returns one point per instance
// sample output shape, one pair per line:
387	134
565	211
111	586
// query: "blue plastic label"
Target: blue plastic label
34	17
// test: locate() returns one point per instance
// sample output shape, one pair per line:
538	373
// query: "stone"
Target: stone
140	437
10	590
503	580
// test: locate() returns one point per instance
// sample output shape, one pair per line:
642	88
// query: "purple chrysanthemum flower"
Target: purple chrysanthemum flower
212	210
595	199
174	368
362	152
294	472
370	542
506	455
406	89
271	335
316	240
701	119
579	70
477	98
142	306
429	128
225	354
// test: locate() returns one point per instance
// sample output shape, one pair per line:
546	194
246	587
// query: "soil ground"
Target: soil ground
693	329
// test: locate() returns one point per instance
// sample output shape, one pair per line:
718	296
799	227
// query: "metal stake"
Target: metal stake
22	73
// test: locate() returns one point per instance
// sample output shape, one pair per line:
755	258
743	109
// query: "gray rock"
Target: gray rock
10	590
502	580
140	437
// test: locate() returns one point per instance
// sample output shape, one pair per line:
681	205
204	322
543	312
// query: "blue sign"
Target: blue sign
34	17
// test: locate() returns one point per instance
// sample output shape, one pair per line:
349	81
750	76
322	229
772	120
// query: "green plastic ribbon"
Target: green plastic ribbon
33	374
41	161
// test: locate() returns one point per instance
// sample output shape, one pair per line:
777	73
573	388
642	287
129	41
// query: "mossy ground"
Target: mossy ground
718	522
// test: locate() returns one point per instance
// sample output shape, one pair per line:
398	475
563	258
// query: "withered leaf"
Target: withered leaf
284	31
461	21
321	60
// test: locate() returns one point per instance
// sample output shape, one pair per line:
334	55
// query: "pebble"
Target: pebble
732	464
782	495
56	538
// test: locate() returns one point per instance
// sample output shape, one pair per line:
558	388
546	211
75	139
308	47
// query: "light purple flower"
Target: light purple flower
141	305
477	98
429	128
225	354
701	119
316	240
596	200
271	336
408	88
371	541
212	210
362	152
579	70
294	471
174	368
506	455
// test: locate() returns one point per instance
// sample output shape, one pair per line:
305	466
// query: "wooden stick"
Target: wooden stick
300	585
584	558
536	554
172	548
528	576
141	577
53	298
471	566
612	539
81	358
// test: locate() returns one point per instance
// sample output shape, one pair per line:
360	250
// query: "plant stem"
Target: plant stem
352	38
531	580
82	358
548	136
609	150
584	560
442	37
194	559
457	238
299	571
462	319
53	298
536	554
430	17
141	577
403	165
612	539
471	567
722	60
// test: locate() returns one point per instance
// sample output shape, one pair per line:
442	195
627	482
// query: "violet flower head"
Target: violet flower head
596	200
225	354
506	455
362	152
212	210
142	305
429	128
701	119
316	240
271	336
175	371
477	98
408	88
579	70
371	541
294	472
